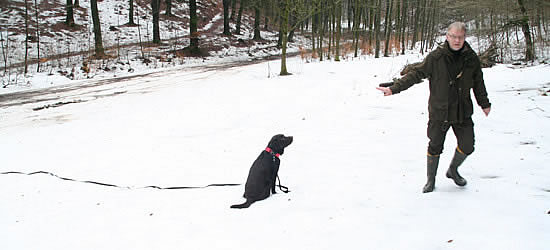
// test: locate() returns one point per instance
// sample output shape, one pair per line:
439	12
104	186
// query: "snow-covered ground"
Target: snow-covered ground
355	170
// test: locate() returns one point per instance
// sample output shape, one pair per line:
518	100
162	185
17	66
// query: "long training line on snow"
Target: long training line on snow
117	186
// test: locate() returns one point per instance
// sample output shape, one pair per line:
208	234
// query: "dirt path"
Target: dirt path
95	89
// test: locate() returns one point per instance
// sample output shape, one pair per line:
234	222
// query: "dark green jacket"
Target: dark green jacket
451	76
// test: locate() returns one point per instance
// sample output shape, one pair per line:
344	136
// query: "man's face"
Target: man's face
455	37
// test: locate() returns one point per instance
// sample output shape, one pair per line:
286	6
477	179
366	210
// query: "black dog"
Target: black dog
262	175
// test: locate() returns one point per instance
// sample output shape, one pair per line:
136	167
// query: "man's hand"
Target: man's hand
387	91
487	111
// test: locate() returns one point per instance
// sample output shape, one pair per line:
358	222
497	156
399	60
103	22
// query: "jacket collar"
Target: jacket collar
466	51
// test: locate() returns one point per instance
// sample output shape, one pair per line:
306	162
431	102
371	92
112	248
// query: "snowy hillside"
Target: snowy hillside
65	50
355	170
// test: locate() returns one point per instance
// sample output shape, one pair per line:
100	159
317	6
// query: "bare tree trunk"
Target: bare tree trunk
99	51
69	20
436	19
233	9
540	20
356	24
226	5
529	50
155	7
350	14
268	13
26	36
397	36
314	26
387	30
338	30
423	24
330	28
257	18
4	51
139	35
193	28
37	36
404	35
377	16
414	19
285	12
370	4
131	13
168	8
239	16
293	23
322	31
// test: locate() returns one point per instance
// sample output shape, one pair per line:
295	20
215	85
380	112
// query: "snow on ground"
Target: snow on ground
355	170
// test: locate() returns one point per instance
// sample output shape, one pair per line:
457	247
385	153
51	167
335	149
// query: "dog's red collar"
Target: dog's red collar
268	149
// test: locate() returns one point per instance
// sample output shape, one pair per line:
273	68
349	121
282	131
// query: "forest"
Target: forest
77	35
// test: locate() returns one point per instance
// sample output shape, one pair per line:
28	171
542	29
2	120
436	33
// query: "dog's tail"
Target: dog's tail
244	205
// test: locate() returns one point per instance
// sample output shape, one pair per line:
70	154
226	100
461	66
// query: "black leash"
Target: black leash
281	187
275	156
117	186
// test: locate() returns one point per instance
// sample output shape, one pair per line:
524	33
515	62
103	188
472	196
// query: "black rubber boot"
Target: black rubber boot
433	161
452	173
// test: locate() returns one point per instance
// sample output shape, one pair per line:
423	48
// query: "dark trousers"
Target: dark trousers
464	132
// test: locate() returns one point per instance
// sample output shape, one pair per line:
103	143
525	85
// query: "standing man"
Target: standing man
452	69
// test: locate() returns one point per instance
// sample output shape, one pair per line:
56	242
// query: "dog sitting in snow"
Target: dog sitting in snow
263	173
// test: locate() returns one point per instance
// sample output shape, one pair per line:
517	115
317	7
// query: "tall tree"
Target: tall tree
131	13
193	29
377	16
414	21
316	27
233	9
356	26
37	36
322	23
69	20
239	17
99	51
424	25
338	30
257	19
168	8
226	17
529	48
404	14
388	27
285	12
155	7
5	49
26	35
370	4
397	27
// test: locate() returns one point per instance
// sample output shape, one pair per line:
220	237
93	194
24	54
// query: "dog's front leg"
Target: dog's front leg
273	180
272	183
